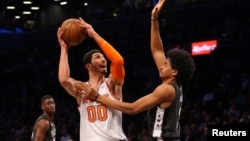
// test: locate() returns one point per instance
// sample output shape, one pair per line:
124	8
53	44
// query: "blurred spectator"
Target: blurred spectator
65	135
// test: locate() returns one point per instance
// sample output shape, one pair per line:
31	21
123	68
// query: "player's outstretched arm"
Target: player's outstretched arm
155	38
144	103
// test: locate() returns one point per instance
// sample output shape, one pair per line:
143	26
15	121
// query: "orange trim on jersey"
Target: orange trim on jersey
117	62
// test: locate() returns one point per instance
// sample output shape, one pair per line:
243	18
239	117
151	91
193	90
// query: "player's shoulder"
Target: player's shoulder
166	88
168	91
43	123
44	120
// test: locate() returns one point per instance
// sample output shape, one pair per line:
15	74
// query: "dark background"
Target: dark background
218	94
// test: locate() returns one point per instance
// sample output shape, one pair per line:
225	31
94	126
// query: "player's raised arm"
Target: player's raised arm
155	39
65	80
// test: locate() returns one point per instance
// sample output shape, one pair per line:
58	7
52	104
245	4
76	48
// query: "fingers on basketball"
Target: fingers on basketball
72	33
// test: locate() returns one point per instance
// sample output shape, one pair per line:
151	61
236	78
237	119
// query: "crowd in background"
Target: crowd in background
218	94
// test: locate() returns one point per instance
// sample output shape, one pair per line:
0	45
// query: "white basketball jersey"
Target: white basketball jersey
99	122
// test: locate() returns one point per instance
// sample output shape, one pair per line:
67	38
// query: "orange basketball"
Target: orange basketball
72	33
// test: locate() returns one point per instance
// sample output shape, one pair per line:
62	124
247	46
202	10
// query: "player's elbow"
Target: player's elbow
131	112
117	70
118	60
63	81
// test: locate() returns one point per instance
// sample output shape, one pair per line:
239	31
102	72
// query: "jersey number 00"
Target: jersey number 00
97	113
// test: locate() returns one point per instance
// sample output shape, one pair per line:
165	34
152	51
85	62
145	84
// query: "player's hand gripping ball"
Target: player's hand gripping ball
72	33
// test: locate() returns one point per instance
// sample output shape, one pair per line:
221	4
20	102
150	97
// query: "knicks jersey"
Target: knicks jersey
99	122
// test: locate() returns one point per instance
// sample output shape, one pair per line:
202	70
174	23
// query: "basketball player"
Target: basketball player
44	128
97	121
164	103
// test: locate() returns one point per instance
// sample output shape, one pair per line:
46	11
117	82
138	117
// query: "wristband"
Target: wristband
154	19
96	96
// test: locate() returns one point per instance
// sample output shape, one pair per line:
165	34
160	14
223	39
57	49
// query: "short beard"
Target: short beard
104	72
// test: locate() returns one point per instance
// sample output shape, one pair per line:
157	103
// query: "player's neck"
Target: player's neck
168	80
49	116
96	81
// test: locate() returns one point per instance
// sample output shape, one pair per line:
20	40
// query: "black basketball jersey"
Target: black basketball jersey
50	135
163	124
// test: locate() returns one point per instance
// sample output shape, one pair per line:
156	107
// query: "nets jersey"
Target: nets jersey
50	135
99	122
164	123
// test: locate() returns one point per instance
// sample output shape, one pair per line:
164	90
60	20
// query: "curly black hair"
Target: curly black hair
182	61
